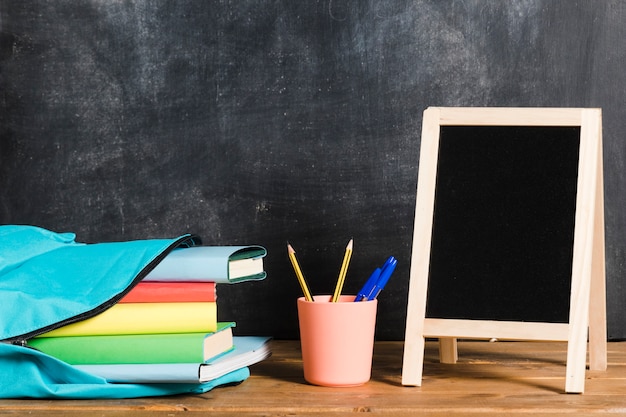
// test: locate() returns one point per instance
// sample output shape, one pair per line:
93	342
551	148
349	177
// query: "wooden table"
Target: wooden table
501	378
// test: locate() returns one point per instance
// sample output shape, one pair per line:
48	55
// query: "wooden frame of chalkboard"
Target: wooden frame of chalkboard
509	217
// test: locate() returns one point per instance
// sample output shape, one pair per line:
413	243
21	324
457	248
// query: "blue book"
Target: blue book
248	350
221	264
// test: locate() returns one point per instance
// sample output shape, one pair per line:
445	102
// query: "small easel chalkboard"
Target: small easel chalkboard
509	234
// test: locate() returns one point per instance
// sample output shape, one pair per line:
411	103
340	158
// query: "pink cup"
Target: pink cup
337	340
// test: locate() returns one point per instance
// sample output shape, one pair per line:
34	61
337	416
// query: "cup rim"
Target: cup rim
342	299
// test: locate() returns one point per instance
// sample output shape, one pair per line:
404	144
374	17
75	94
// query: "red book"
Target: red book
171	292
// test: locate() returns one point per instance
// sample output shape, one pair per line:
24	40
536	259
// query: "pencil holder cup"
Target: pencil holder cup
337	340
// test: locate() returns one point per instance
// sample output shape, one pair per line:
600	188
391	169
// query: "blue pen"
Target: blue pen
388	262
365	292
388	269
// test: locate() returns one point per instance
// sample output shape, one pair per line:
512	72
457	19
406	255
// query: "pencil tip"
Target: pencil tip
350	244
290	249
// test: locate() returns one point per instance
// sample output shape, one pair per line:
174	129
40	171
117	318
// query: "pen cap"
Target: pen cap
337	340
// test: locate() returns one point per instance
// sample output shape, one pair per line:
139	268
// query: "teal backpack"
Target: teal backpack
48	280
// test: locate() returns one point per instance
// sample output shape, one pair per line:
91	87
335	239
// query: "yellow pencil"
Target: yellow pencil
343	272
296	267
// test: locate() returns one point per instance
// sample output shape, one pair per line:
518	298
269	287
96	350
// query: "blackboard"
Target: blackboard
503	226
509	233
258	121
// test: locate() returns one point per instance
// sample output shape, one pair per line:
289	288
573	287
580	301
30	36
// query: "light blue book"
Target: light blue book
221	264
248	351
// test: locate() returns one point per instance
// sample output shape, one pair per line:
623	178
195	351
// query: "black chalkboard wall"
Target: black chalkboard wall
272	121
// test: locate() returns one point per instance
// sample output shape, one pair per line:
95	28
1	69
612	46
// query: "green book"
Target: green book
138	349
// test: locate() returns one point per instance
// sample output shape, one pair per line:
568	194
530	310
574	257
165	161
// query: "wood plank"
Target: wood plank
501	378
448	352
597	314
586	202
489	329
420	252
502	116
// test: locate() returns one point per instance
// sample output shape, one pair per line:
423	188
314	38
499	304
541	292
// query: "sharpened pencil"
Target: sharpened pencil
343	272
296	268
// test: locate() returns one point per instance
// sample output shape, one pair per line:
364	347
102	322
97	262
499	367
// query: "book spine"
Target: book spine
79	350
171	292
145	318
128	349
187	373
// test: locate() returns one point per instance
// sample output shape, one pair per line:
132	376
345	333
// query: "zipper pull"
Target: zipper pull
20	342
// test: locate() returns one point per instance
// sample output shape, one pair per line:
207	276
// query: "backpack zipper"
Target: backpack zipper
186	240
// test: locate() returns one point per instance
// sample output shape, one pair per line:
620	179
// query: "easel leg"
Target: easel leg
414	342
597	306
588	258
448	350
413	361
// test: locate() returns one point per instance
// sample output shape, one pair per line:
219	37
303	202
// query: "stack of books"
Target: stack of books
165	329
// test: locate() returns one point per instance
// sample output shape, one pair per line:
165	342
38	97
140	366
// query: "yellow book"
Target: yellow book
145	318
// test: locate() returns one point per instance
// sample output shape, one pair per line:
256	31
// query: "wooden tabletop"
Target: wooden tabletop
501	378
